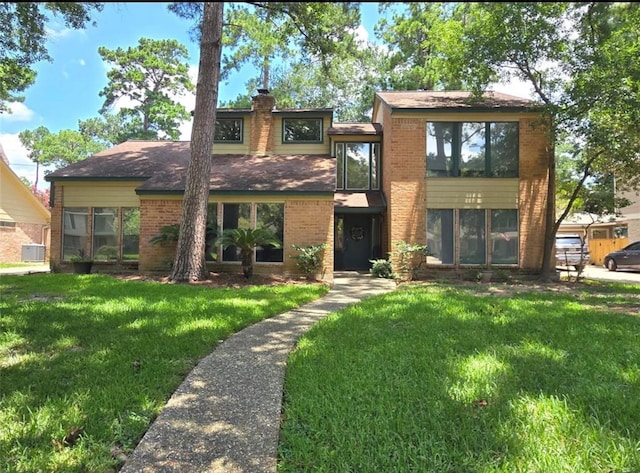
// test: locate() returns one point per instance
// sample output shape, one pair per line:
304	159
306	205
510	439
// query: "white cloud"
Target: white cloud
18	112
56	34
19	161
82	62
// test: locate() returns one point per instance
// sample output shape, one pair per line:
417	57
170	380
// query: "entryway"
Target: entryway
357	241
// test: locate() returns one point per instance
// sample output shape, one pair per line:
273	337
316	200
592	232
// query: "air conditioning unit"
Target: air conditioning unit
33	253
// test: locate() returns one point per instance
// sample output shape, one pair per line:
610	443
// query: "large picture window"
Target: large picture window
472	149
228	130
302	130
459	236
105	233
270	217
131	233
235	216
75	232
357	166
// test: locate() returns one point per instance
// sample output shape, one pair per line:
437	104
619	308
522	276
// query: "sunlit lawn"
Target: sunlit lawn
87	362
439	378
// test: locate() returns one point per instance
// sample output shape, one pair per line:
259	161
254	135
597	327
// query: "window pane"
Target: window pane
130	233
340	165
210	249
472	237
504	236
305	130
358	166
440	236
504	149
439	149
75	232
271	217
375	164
228	129
472	150
235	216
105	233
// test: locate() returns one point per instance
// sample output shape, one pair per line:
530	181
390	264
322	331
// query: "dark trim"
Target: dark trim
359	210
475	109
98	179
311	112
296	142
213	192
232	142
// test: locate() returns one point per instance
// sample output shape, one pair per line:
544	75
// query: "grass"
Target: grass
440	378
20	265
88	361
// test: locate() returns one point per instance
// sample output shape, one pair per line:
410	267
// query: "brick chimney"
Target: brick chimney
262	123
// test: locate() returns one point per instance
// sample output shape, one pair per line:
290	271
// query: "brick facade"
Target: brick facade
13	238
155	214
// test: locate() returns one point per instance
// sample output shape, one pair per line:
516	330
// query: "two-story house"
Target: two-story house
468	178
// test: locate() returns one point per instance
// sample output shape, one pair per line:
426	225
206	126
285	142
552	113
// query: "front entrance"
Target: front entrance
357	240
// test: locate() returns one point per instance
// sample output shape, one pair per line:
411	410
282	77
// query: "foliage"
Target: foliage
148	76
382	268
167	234
246	240
23	37
108	129
106	354
82	257
309	258
410	256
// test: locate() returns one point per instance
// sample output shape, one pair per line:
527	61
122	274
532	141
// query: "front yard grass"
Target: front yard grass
457	378
88	361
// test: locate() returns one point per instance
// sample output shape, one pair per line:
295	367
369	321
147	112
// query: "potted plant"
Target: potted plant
486	274
82	263
309	260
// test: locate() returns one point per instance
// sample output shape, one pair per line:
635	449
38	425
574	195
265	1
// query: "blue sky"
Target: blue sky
66	89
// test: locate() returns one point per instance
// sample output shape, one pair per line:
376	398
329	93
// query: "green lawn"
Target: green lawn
447	378
88	361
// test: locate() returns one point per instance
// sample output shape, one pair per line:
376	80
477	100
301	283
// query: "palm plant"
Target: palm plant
246	240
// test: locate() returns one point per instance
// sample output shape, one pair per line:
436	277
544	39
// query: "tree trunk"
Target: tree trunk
189	264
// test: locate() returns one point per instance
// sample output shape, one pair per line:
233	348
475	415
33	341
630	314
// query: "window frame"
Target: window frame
229	141
320	121
342	174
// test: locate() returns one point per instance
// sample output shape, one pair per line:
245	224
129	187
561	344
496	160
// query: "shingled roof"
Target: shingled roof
163	167
453	100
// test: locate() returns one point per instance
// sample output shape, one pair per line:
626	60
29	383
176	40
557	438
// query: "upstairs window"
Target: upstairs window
228	130
302	130
357	166
472	149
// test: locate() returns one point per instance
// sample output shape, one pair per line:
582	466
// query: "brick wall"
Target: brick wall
55	253
262	124
155	214
12	239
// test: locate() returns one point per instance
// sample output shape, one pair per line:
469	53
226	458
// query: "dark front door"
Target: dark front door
357	241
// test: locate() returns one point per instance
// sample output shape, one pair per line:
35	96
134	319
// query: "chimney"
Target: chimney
262	123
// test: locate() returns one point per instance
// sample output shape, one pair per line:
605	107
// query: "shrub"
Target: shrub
381	268
309	258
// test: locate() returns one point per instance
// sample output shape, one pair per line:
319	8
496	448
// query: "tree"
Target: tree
57	149
148	76
247	240
317	29
108	129
23	37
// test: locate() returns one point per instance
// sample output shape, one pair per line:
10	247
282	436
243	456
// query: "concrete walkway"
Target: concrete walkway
225	416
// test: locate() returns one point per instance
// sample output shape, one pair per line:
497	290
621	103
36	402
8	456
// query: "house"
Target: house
468	178
630	215
24	220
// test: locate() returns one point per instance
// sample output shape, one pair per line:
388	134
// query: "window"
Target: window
459	236
472	149
357	166
307	130
75	231
210	249
235	216
105	234
270	217
130	233
228	130
7	224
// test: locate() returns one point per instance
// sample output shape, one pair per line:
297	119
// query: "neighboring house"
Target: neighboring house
467	178
24	221
631	214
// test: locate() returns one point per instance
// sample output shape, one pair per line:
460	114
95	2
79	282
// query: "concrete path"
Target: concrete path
225	416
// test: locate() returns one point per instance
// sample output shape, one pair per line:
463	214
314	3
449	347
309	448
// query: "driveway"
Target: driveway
603	274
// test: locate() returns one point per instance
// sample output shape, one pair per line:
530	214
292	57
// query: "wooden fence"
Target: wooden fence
600	247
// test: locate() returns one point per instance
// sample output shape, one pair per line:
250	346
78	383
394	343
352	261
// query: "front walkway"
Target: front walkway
225	416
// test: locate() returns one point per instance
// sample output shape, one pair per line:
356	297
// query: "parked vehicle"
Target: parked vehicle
627	257
571	250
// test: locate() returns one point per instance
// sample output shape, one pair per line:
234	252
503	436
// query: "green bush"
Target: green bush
309	258
381	268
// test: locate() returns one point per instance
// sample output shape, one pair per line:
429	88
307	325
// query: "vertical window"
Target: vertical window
340	166
75	232
504	236
357	164
440	237
308	130
105	233
440	149
472	150
210	249
504	149
235	216
270	217
228	130
375	165
130	233
472	237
